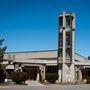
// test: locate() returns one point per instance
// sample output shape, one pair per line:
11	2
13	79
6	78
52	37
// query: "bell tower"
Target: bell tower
66	31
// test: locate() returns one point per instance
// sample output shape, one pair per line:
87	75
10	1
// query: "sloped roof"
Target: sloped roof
45	56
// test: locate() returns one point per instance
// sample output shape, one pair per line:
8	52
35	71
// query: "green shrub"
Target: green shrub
51	77
2	76
19	77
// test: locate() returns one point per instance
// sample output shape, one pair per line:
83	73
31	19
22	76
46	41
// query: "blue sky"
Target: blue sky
29	25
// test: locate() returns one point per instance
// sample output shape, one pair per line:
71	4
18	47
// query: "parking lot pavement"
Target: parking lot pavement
69	87
47	87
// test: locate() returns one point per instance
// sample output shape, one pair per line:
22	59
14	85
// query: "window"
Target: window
67	21
68	52
60	21
60	52
61	39
68	38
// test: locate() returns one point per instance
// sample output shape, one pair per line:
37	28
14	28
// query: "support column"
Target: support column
64	55
72	73
73	58
59	73
73	46
64	48
42	72
63	73
80	75
38	76
16	67
73	37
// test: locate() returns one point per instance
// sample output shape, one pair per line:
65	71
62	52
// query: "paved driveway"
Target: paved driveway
47	87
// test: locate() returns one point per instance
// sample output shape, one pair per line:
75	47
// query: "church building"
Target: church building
70	66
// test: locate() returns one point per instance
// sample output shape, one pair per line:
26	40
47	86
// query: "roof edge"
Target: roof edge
30	51
81	56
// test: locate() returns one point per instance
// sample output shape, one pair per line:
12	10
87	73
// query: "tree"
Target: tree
2	49
2	69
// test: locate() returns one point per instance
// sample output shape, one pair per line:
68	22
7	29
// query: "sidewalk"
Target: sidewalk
33	83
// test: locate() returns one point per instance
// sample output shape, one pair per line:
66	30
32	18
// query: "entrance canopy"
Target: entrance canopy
10	67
